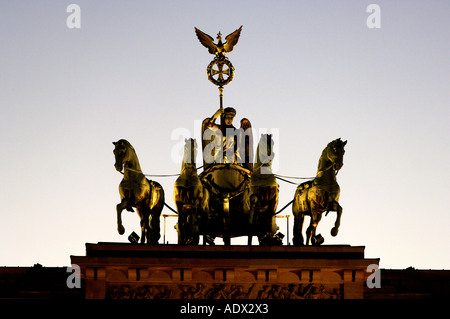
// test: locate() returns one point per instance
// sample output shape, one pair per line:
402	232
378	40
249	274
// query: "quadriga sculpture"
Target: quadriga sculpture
314	197
137	191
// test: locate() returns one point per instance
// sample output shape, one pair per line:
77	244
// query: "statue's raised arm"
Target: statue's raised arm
211	139
246	144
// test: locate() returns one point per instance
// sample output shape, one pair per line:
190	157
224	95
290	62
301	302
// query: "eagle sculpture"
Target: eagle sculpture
220	48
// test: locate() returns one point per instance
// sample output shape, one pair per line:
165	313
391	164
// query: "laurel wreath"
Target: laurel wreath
230	72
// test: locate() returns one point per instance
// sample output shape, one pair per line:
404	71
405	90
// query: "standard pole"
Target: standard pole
221	107
221	96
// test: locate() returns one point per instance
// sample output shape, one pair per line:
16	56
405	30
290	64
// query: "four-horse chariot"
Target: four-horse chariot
236	194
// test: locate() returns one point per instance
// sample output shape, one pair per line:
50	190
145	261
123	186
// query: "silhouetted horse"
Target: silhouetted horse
314	197
137	191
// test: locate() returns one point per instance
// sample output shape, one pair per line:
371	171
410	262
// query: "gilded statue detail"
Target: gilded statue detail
220	71
220	48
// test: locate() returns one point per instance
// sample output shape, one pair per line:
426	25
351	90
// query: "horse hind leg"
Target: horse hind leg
145	232
154	228
143	224
150	234
311	231
298	227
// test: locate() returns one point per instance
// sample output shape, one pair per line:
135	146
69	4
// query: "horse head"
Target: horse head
335	153
121	153
190	151
265	152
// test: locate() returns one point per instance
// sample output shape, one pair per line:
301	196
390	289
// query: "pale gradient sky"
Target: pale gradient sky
312	71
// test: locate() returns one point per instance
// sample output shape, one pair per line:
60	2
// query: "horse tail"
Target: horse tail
161	198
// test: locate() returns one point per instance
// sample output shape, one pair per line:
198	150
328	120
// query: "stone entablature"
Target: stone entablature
127	271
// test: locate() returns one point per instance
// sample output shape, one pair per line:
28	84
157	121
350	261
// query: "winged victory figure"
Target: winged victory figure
229	144
220	48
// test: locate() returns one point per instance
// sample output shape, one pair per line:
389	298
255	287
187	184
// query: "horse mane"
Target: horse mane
332	146
188	175
189	142
337	143
324	157
126	144
122	143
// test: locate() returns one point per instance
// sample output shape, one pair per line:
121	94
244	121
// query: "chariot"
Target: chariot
226	200
229	211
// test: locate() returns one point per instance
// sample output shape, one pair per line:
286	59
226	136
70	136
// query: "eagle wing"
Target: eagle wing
232	40
206	40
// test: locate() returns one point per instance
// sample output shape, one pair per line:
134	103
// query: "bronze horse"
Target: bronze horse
263	194
314	197
137	191
190	197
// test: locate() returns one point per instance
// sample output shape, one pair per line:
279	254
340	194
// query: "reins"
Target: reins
155	175
280	177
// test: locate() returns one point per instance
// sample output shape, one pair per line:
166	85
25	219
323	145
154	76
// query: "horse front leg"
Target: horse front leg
337	223
119	208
